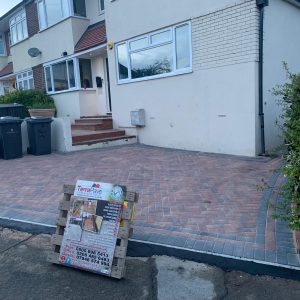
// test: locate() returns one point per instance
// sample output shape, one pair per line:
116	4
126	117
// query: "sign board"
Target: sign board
92	227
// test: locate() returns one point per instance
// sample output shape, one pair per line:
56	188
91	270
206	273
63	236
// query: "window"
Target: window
25	80
60	76
163	53
2	45
101	6
52	11
18	27
79	8
85	70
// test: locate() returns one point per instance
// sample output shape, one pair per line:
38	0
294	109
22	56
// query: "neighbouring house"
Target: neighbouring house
201	71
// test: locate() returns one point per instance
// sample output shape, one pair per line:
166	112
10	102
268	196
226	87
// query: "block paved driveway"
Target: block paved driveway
204	202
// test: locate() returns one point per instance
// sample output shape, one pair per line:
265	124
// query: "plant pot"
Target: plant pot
45	112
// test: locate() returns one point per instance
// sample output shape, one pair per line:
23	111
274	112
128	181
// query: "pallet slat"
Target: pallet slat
125	231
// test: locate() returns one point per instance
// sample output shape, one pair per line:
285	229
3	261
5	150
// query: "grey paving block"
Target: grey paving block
282	259
228	249
199	245
259	254
218	248
270	256
293	259
248	253
189	243
208	246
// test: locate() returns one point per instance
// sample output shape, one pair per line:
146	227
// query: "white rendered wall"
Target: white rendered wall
282	43
92	11
212	109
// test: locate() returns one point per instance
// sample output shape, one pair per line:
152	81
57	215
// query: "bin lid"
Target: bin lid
39	120
10	120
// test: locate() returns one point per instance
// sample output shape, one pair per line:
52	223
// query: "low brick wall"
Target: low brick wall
297	240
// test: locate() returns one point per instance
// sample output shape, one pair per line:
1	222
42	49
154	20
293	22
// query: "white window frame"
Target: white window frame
13	22
69	13
76	74
2	35
154	45
21	78
101	9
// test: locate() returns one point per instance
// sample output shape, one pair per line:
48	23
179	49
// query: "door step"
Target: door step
81	136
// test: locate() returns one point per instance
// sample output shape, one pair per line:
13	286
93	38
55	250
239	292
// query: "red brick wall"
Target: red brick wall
38	77
32	19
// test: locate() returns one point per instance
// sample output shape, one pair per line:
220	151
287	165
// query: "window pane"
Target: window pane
60	77
71	73
24	28
19	32
1	45
20	85
158	60
42	16
79	8
182	47
161	37
138	44
25	85
65	8
85	73
54	11
31	83
48	79
14	34
101	5
122	61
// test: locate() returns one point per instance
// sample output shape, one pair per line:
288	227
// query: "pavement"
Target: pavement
25	275
207	203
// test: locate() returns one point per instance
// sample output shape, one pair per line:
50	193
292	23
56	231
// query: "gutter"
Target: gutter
261	5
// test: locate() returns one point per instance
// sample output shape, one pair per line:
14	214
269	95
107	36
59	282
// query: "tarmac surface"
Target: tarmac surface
209	203
25	275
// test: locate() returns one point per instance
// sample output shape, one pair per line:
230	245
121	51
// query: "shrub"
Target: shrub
29	98
289	100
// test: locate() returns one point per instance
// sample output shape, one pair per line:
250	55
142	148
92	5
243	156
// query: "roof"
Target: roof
95	35
8	69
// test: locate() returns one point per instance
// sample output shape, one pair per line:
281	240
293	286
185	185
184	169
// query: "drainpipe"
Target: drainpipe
261	5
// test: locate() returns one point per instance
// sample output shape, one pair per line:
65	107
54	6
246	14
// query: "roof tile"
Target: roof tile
8	69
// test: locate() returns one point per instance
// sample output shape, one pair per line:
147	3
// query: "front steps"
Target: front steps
96	130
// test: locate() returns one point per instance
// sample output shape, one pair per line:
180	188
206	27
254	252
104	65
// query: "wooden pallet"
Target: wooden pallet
125	231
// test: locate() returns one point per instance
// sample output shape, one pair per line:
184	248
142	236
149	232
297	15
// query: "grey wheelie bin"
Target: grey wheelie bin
39	135
10	138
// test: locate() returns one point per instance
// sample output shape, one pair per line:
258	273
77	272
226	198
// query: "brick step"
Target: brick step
79	136
107	121
91	142
92	126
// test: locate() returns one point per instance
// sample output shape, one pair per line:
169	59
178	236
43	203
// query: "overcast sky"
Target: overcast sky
6	5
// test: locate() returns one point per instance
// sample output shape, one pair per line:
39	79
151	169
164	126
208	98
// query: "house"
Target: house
201	71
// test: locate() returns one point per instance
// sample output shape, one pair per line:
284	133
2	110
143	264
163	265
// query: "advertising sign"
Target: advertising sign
92	226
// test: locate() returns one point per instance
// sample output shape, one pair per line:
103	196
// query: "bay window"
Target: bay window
53	11
158	54
25	80
71	74
18	27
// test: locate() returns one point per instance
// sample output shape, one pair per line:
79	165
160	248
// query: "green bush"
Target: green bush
29	98
289	100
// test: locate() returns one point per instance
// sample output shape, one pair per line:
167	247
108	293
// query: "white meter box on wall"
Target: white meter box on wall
138	117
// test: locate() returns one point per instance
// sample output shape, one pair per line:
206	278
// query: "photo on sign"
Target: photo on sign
92	223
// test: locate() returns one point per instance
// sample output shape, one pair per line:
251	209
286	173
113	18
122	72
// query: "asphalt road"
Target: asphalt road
25	274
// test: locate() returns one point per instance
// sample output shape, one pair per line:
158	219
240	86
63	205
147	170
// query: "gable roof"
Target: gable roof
95	35
8	69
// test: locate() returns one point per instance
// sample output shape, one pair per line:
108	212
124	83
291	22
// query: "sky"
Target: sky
5	6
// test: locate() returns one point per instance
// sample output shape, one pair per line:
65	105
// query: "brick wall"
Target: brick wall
225	37
38	77
32	19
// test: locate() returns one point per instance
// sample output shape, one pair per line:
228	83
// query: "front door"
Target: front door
109	108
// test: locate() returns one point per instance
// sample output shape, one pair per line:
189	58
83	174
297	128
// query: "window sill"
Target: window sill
19	42
126	81
72	90
61	21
